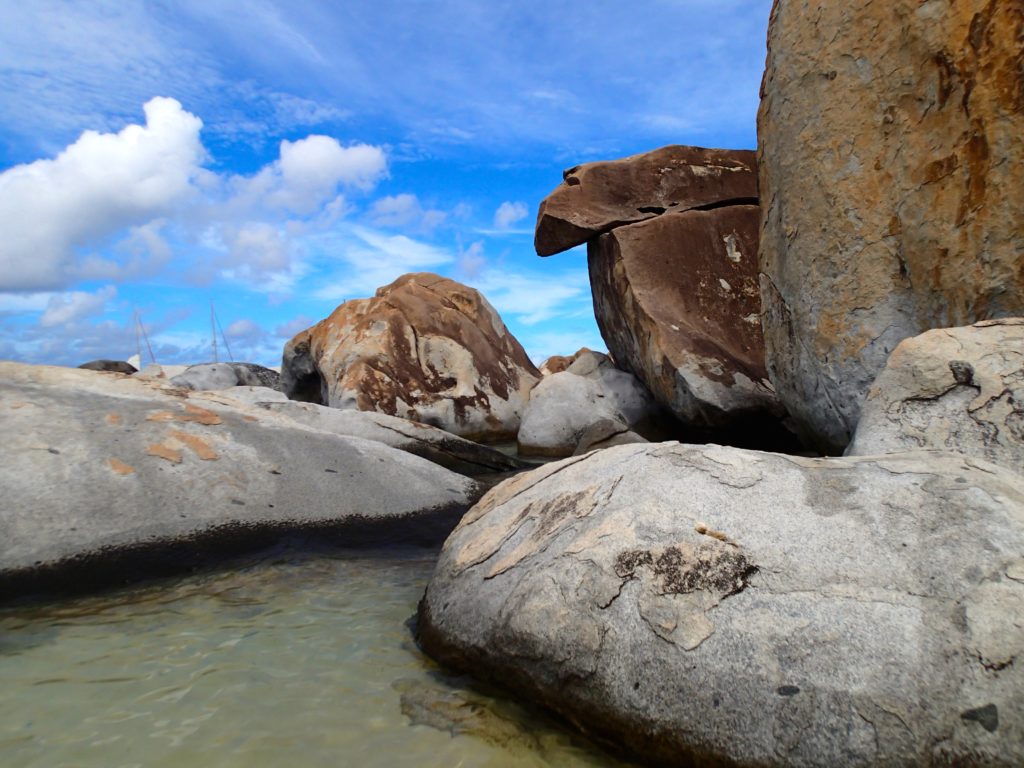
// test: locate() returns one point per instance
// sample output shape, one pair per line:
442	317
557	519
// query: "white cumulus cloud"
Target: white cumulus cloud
98	186
69	307
509	213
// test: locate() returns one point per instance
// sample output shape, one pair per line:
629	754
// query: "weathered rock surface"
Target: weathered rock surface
678	304
102	475
207	376
564	407
701	604
111	366
436	445
954	389
597	197
892	172
558	363
425	349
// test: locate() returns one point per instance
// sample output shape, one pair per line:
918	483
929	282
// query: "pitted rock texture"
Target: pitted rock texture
952	389
93	466
426	349
597	197
891	148
208	376
714	606
586	406
678	304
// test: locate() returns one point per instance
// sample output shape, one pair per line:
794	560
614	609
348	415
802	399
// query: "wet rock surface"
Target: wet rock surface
719	606
891	160
953	389
425	349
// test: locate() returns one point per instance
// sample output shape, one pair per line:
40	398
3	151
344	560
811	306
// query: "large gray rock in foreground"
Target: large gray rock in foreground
714	606
95	467
956	389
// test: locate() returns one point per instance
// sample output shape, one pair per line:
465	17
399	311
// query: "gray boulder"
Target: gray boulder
102	475
110	366
955	389
715	606
433	444
207	376
591	391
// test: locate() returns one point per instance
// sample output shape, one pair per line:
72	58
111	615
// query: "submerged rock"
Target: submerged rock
105	477
425	349
953	389
892	174
709	605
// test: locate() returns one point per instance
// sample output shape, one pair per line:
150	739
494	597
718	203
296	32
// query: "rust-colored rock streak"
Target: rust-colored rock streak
891	149
424	348
677	302
597	197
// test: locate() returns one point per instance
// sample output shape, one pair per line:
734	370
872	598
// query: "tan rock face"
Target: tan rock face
677	302
597	197
953	389
891	157
426	349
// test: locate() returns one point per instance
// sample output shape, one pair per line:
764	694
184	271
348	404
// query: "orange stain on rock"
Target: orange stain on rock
193	414
120	467
114	419
162	451
200	415
199	446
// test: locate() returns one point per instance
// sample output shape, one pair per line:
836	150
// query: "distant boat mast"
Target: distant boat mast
214	326
140	331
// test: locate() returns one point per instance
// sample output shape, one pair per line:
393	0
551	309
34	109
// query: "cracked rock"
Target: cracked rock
953	389
711	605
892	176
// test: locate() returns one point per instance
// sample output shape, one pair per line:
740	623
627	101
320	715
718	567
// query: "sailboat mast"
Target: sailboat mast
213	331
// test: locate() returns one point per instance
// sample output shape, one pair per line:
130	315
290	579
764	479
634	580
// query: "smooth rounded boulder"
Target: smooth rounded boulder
891	156
588	403
108	477
715	606
951	389
208	376
424	348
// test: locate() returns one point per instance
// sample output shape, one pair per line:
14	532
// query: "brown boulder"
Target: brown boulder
891	141
559	363
597	197
677	303
424	348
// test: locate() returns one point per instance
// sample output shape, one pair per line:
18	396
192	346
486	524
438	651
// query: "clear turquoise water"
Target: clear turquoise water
292	661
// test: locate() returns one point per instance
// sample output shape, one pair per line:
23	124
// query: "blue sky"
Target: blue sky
280	157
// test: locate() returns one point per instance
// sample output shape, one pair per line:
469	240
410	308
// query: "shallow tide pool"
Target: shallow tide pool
295	660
